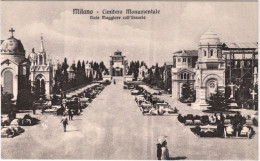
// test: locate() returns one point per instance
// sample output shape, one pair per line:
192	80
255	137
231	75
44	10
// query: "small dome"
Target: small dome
209	37
32	56
12	46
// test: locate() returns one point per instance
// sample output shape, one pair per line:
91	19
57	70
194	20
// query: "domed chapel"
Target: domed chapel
210	68
17	71
15	68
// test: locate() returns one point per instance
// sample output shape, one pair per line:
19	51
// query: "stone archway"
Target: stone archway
211	83
40	85
211	87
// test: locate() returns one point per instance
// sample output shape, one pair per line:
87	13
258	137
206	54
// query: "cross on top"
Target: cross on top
12	31
253	94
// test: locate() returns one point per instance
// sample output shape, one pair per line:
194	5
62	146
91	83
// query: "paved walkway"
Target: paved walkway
112	127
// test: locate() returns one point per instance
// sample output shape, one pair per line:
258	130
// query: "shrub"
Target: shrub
217	101
205	119
107	82
210	134
196	130
197	117
189	117
202	134
181	118
255	122
220	130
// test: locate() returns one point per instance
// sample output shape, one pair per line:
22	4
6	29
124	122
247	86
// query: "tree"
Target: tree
156	72
7	104
90	77
84	72
57	79
78	76
217	101
64	76
25	99
186	91
188	94
238	122
102	66
243	93
130	71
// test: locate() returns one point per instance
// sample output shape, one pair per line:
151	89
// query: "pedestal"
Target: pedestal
200	105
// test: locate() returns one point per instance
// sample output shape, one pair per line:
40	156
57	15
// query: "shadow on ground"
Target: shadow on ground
72	130
177	158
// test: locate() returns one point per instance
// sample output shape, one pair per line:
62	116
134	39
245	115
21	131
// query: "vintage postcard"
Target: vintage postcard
129	80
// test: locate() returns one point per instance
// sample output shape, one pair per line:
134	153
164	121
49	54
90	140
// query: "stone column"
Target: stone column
15	86
47	89
232	90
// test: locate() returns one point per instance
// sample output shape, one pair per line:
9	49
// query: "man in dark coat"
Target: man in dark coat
70	114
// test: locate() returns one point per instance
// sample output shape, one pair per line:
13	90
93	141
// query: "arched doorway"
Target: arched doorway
8	81
212	86
40	86
185	91
118	71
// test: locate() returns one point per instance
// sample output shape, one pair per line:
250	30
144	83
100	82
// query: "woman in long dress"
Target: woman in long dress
165	151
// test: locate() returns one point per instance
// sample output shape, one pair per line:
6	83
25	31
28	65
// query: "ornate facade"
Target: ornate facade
143	72
15	68
41	71
210	69
118	64
203	70
183	71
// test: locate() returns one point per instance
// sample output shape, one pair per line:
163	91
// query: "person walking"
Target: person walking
64	121
70	114
159	151
165	151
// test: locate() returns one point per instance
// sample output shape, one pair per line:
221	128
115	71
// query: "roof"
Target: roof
239	46
209	38
14	59
12	46
186	53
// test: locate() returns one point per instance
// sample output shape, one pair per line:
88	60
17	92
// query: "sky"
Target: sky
178	26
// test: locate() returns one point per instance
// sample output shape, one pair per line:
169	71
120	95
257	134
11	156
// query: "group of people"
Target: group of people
162	150
64	119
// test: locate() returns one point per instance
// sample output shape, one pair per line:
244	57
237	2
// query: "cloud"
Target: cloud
179	26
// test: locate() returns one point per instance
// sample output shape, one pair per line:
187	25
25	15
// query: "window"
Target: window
24	70
179	59
211	52
184	59
205	53
185	76
188	60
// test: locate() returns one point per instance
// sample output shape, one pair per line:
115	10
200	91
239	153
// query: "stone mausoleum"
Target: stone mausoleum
118	64
19	72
